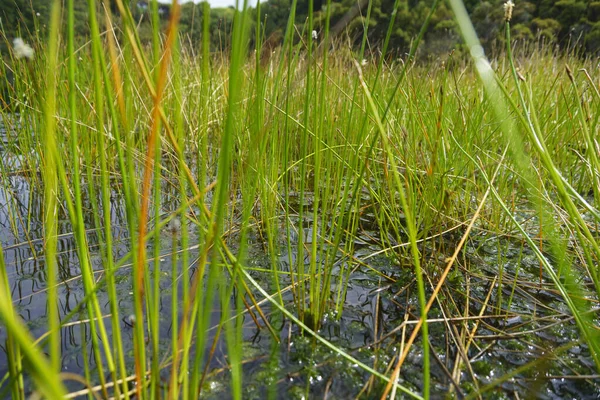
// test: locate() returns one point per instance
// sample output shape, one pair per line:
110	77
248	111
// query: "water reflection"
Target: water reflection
371	328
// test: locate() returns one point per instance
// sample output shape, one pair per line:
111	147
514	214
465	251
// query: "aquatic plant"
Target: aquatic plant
163	170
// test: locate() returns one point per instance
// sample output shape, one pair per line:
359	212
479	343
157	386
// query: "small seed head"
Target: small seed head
174	226
129	320
508	9
570	73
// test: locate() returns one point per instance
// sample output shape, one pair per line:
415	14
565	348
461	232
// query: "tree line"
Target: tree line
565	23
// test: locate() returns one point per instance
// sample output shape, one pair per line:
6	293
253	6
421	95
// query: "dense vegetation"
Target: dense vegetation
178	222
564	22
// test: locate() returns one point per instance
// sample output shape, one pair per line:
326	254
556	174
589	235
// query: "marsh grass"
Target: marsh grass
313	153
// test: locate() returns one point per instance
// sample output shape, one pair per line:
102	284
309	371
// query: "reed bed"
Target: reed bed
248	189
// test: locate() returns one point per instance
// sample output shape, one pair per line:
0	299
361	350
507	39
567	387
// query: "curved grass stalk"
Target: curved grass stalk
534	133
375	138
412	237
523	162
46	377
569	290
569	188
329	345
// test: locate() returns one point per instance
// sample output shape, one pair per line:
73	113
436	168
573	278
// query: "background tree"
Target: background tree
563	22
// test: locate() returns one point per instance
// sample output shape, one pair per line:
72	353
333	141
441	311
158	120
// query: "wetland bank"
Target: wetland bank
177	223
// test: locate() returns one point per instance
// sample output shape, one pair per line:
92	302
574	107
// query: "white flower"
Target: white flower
21	49
364	62
37	14
315	35
508	9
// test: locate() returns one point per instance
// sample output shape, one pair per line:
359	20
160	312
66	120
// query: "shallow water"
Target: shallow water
378	313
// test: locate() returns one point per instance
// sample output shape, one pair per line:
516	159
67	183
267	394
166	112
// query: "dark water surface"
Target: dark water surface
378	312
